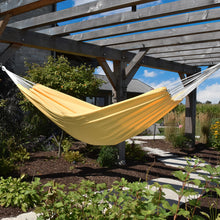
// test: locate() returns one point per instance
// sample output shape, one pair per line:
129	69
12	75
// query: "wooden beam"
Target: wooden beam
18	7
186	47
43	41
109	73
173	32
8	52
195	57
4	22
83	10
182	19
208	61
187	53
134	65
141	14
171	41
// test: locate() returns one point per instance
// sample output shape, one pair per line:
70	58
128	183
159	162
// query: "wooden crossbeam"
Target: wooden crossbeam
109	73
8	52
134	65
202	60
173	32
170	21
195	57
186	47
171	41
66	46
83	10
188	53
4	22
18	7
141	14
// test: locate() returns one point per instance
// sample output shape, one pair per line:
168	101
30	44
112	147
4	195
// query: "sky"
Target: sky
207	91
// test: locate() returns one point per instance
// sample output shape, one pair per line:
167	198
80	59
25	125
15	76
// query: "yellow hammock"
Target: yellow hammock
108	125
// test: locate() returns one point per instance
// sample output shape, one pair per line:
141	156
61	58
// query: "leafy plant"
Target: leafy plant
18	193
94	201
212	182
179	140
11	153
77	81
107	156
73	156
6	167
215	134
134	152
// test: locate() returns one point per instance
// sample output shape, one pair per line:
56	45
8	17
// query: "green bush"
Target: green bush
73	156
6	167
125	200
215	134
17	193
179	140
107	156
11	154
134	152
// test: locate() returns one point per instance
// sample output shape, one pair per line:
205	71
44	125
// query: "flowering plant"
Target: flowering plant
215	134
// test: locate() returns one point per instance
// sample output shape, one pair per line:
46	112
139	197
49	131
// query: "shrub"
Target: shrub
11	155
125	200
134	152
107	156
73	156
179	140
215	134
17	193
6	167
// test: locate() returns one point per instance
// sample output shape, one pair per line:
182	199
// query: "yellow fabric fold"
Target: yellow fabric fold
108	125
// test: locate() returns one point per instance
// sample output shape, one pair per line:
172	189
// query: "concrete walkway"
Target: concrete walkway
165	157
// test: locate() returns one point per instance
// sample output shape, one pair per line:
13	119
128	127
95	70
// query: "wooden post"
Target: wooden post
190	118
119	93
119	78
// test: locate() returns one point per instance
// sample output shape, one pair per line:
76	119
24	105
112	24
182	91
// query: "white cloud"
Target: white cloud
209	93
150	74
215	75
100	71
165	83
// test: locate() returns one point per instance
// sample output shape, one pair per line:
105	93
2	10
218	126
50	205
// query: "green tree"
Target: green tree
77	81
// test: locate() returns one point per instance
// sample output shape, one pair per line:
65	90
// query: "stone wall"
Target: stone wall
31	55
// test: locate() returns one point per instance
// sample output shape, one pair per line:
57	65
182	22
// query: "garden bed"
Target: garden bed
47	167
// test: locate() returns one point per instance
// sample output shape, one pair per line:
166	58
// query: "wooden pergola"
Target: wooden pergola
177	36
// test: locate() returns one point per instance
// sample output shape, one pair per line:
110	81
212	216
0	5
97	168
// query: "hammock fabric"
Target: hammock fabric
108	125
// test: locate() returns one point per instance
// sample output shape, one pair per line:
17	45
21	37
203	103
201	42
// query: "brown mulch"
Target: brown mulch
48	167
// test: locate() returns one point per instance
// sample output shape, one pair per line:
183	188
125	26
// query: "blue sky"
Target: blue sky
207	91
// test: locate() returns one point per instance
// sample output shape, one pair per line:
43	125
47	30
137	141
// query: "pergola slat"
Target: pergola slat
83	10
18	7
43	41
175	55
195	57
141	14
185	47
182	19
204	62
173	32
195	38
